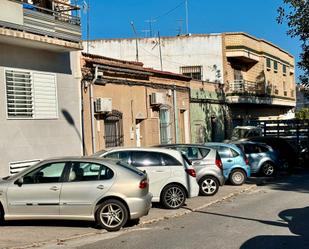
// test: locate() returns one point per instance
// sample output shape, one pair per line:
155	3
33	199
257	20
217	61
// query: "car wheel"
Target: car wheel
173	196
237	177
268	169
112	215
209	185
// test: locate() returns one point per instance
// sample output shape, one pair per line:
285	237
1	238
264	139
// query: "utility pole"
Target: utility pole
187	18
161	63
88	26
136	39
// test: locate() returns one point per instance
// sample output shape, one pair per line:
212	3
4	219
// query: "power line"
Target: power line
170	11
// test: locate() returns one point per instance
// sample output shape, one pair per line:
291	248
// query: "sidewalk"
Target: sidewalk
28	234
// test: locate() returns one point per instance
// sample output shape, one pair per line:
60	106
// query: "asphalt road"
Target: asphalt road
272	216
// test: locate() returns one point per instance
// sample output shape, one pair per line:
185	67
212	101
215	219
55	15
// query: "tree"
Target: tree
302	113
296	14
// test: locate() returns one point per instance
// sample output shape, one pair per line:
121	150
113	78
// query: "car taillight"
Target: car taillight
246	160
143	184
191	172
218	163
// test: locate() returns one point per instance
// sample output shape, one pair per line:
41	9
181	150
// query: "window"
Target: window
83	171
122	155
113	126
284	69
143	158
190	152
224	152
251	149
204	152
195	72
268	63
170	161
275	66
234	153
48	173
263	149
165	126
31	95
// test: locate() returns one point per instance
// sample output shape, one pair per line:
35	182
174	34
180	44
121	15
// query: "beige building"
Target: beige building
125	104
259	78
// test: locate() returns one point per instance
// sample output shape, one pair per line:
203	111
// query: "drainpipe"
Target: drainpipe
175	115
93	138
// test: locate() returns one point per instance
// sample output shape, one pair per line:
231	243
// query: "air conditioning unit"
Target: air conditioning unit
157	99
103	105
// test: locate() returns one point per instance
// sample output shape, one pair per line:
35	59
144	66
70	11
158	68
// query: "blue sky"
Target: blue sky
111	19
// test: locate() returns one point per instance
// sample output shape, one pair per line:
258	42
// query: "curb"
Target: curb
198	208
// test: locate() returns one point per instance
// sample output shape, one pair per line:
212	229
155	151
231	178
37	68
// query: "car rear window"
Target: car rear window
145	158
131	168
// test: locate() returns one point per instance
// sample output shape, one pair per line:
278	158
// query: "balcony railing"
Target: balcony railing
62	23
243	87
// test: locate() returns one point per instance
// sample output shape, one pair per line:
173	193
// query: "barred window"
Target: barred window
195	72
268	63
31	95
19	94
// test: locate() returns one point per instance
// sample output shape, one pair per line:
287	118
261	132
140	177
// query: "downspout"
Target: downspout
93	138
175	115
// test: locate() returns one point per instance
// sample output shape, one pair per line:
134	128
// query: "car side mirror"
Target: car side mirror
19	182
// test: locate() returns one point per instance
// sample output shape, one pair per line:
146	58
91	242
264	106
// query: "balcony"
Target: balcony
248	92
57	28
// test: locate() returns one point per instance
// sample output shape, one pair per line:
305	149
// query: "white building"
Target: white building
199	57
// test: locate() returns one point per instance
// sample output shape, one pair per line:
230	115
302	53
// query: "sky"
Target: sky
111	19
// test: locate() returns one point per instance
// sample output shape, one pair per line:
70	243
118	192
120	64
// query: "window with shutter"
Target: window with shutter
31	95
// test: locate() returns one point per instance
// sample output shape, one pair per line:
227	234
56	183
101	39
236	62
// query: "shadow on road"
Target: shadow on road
298	224
283	182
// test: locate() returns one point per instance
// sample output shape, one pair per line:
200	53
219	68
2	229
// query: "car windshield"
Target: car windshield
239	133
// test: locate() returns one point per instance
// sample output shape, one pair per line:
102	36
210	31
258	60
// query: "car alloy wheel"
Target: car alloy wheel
111	215
173	196
209	185
238	177
268	169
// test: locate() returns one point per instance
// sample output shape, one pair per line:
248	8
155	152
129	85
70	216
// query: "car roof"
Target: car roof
247	127
173	153
184	145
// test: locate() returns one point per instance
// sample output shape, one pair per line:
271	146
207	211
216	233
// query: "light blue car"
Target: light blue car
236	167
262	158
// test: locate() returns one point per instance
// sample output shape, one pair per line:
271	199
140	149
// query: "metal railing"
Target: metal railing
56	23
247	87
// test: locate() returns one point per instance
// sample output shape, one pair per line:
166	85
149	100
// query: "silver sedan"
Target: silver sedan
105	191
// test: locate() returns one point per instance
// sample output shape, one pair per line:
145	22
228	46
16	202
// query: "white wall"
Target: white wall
29	139
195	50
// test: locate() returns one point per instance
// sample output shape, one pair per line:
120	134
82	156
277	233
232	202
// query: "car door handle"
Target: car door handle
229	161
54	188
100	187
160	171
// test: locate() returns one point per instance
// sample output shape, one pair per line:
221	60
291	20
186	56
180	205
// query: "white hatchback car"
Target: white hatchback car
171	178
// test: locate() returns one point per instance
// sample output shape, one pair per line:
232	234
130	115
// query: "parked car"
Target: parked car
207	164
236	167
103	191
171	178
287	153
262	158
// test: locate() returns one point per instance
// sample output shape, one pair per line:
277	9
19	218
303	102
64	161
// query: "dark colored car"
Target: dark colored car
287	153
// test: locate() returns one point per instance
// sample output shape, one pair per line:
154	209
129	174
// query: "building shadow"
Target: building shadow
297	221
